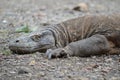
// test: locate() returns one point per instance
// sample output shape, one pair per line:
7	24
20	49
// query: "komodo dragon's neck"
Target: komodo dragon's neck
60	34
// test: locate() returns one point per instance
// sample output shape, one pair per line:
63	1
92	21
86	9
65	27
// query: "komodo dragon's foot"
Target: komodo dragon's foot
57	53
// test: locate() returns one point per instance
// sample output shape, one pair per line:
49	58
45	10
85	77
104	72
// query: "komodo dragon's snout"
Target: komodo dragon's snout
38	41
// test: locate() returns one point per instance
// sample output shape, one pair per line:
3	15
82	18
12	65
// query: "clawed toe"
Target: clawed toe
57	53
48	53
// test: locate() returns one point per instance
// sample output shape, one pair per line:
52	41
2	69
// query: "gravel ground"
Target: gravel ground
37	13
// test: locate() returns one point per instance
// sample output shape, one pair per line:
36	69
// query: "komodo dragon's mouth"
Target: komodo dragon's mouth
27	49
21	50
24	50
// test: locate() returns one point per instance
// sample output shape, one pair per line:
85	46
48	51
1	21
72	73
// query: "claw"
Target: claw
48	53
57	53
50	56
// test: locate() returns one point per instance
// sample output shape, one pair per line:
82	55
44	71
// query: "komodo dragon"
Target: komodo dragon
99	32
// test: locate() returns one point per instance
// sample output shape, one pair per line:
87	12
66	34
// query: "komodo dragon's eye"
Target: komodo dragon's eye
35	38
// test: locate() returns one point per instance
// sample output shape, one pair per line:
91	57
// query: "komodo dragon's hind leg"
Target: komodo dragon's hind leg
94	45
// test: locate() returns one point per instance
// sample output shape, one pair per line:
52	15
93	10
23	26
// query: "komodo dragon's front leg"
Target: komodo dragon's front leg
97	44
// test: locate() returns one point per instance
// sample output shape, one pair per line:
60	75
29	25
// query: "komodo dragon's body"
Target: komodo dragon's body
60	35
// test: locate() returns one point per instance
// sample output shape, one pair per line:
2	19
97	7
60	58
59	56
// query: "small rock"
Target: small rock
12	72
106	70
87	60
95	66
41	74
109	60
4	21
94	57
32	63
24	70
83	7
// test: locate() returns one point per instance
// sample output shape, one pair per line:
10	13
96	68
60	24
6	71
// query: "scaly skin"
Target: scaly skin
60	35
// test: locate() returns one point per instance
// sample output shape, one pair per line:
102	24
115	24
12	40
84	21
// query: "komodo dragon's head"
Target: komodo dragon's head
37	41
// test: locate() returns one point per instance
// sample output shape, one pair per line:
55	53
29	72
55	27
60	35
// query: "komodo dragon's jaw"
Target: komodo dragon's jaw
38	41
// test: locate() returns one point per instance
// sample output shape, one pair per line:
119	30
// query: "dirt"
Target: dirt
38	13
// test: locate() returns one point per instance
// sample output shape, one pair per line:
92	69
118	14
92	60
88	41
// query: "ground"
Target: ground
37	13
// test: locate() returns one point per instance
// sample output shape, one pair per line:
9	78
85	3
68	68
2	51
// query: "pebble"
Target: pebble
106	69
32	62
24	70
41	74
108	60
12	72
4	21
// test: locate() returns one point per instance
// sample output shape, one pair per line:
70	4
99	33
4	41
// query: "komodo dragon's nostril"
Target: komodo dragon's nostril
17	41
